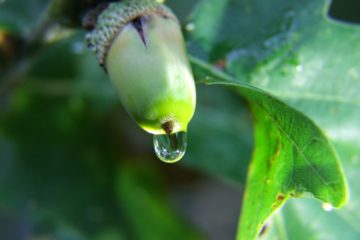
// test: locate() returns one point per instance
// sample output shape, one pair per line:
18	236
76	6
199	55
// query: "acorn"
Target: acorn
140	45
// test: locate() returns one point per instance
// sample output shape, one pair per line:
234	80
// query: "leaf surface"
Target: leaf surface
292	156
295	52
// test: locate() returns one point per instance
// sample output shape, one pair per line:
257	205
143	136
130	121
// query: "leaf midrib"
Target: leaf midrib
278	125
228	80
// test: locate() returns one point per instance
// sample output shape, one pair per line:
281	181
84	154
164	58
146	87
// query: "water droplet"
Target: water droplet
77	47
190	27
299	68
170	148
327	207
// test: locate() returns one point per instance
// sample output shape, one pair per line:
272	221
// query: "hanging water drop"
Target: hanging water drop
170	148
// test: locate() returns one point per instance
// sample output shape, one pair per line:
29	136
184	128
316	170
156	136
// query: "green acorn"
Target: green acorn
140	45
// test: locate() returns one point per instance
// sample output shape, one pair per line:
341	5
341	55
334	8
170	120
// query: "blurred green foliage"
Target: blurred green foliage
73	165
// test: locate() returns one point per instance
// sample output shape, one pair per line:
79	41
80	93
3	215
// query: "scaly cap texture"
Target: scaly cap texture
115	17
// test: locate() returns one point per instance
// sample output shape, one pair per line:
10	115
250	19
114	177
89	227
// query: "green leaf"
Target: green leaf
141	195
21	15
323	83
306	218
292	50
331	224
292	156
60	178
209	13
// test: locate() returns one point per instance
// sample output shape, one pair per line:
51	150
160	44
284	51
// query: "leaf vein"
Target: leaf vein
297	147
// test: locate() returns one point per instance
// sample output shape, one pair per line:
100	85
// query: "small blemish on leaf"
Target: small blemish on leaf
280	197
277	151
221	64
263	230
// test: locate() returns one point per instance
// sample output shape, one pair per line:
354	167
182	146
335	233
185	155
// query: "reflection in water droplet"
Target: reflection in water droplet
327	207
170	148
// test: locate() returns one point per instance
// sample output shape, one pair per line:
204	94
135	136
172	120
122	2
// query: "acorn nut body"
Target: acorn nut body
141	46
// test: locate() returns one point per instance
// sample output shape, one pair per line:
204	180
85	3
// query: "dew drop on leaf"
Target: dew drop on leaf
170	148
190	27
299	68
327	207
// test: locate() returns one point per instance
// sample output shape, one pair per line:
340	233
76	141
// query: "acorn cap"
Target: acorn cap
115	17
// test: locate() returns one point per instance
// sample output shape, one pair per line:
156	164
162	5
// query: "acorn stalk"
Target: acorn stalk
140	45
